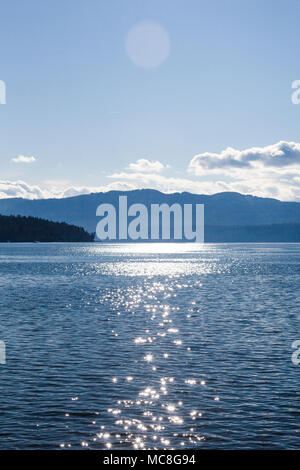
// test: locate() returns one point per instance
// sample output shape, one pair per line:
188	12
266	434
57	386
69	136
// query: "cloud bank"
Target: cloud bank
10	189
20	189
279	155
270	171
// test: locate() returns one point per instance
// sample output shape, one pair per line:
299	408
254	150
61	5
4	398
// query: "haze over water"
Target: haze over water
149	346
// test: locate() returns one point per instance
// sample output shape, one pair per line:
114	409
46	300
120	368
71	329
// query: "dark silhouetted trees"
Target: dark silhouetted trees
32	229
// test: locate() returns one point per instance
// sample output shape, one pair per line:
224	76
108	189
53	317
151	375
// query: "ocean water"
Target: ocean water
149	346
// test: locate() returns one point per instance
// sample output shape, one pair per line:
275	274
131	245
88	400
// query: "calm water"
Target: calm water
149	346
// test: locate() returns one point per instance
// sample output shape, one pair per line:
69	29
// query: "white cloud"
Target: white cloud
10	189
77	190
270	171
55	189
277	155
168	184
23	159
146	166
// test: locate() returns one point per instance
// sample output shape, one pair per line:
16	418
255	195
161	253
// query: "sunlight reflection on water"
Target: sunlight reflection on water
149	346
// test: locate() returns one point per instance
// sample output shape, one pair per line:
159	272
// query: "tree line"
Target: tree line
33	229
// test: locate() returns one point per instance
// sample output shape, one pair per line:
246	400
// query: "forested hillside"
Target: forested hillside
32	229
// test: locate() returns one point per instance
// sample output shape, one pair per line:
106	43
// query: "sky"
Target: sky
176	95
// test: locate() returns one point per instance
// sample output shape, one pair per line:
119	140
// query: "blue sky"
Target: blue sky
81	115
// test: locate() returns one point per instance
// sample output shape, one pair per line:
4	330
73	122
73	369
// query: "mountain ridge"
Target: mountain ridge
221	209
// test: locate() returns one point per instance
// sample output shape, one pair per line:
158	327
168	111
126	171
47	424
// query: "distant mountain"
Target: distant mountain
224	210
252	233
32	229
